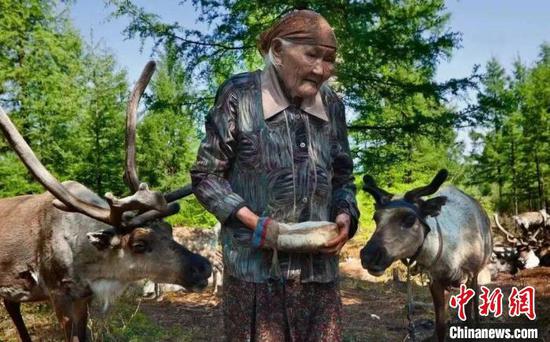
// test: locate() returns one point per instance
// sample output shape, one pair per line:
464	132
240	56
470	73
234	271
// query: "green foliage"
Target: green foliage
192	214
98	138
39	66
388	52
512	158
68	99
168	141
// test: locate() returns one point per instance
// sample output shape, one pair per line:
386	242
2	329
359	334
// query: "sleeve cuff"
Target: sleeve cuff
233	216
352	211
228	207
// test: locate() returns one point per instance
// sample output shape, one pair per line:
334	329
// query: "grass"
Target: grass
123	322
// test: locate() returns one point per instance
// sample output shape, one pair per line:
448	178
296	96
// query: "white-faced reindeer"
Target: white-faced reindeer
447	235
69	245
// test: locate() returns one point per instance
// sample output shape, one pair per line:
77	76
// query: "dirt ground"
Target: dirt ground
374	309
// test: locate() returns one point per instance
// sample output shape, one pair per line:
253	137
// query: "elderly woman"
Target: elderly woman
276	151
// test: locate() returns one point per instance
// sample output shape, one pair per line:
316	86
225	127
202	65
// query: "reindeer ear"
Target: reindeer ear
432	207
103	239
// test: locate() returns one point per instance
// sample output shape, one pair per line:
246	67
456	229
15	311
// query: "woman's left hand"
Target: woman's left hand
343	221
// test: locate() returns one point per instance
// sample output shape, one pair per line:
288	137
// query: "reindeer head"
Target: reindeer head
148	252
400	223
137	243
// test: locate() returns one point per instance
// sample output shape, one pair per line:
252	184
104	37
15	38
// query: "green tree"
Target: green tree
512	118
39	66
388	53
536	125
495	106
99	130
168	140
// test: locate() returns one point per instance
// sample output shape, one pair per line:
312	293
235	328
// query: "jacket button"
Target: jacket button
302	144
304	199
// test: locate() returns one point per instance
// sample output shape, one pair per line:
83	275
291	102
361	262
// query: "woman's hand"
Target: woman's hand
343	221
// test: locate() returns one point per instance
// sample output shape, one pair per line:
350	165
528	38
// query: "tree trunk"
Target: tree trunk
540	183
514	178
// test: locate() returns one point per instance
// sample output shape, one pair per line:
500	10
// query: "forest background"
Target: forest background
67	94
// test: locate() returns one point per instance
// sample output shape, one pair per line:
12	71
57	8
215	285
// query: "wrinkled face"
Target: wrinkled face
304	68
151	253
399	234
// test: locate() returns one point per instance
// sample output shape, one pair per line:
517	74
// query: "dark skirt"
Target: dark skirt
275	311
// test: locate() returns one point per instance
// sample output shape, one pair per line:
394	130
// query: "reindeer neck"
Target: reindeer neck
431	250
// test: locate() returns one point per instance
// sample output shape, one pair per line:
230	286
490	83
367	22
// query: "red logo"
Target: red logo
520	302
490	302
460	300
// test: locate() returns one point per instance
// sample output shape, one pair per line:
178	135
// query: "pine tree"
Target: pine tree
99	131
39	67
168	137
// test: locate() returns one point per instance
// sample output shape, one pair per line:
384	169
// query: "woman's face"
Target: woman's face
304	68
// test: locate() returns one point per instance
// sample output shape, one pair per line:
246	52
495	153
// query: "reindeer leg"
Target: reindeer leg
469	308
475	302
440	298
214	282
72	313
14	310
472	308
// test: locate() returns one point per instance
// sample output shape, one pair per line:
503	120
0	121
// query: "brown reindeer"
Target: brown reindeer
69	245
447	235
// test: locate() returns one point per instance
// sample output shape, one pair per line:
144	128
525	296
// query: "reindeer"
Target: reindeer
69	245
531	249
531	220
447	235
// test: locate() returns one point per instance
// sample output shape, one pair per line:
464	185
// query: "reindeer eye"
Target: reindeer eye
139	247
409	221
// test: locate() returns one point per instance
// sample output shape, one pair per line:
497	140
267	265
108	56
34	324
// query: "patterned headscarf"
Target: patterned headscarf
300	27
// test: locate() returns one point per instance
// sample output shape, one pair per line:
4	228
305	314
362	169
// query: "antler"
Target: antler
130	175
509	236
143	199
428	189
381	196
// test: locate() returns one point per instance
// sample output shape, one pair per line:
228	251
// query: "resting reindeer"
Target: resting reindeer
531	249
531	220
448	235
69	245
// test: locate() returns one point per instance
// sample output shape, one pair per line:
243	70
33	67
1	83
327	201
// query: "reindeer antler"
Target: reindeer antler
509	236
142	200
380	195
130	175
428	189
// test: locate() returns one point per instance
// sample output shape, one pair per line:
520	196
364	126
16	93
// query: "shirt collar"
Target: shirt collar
274	100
